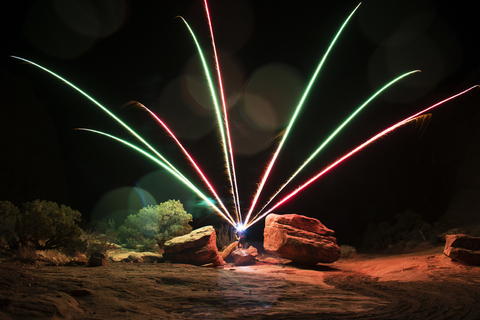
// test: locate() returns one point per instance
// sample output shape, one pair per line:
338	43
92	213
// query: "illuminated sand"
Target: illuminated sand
423	285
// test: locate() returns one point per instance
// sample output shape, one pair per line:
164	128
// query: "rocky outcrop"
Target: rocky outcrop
198	247
300	239
463	248
244	257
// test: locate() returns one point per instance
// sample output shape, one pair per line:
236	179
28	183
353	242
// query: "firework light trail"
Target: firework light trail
233	178
360	147
191	186
218	112
164	163
189	157
226	139
333	135
297	110
102	107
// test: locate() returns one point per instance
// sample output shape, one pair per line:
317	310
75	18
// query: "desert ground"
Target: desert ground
420	285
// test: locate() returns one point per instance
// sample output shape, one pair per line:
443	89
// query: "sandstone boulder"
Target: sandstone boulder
463	248
198	247
244	257
301	239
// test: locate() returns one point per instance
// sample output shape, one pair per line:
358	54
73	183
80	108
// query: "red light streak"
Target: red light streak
231	171
194	164
351	153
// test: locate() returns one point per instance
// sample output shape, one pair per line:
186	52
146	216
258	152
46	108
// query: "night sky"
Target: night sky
121	51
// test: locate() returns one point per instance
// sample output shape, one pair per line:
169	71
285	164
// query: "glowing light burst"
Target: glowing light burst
222	118
240	227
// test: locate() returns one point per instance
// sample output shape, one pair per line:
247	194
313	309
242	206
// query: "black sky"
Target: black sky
142	53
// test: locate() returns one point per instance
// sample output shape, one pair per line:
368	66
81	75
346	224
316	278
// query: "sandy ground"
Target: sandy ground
422	285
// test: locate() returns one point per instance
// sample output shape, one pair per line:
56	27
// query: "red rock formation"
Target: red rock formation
463	248
300	239
198	247
245	257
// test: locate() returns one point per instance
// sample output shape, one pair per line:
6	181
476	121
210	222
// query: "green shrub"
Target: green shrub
159	223
8	219
46	225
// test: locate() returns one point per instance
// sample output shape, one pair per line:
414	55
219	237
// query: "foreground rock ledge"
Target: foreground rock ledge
198	247
301	239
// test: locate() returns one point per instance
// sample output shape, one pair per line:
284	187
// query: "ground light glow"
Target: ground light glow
239	223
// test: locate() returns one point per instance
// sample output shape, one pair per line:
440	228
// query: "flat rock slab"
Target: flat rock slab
146	257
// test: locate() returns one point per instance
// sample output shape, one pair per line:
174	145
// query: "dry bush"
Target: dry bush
96	242
52	257
225	236
346	251
26	254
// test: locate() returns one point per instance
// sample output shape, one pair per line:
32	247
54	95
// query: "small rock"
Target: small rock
244	257
98	259
135	258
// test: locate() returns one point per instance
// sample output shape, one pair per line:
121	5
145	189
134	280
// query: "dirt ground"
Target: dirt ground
422	285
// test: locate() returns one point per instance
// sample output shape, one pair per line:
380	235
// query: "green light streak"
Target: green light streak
218	112
297	110
164	163
168	168
104	109
335	133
